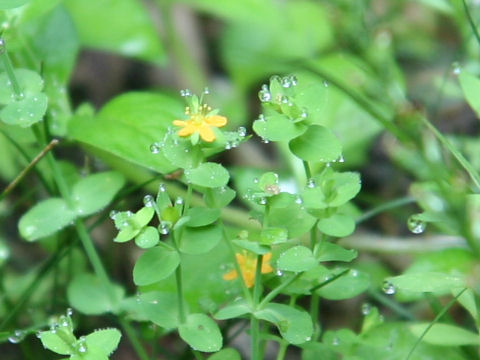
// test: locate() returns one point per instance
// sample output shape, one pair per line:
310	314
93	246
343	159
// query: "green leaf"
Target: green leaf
294	325
155	264
54	342
338	225
11	4
427	282
347	286
271	235
102	25
147	238
201	333
277	127
296	259
105	340
147	115
233	310
25	112
45	218
226	354
219	197
445	335
467	300
202	216
93	193
316	350
316	144
210	175
30	82
328	251
200	240
471	88
154	305
87	294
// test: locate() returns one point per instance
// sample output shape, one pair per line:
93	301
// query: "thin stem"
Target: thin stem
254	322
132	337
314	310
7	64
272	294
434	321
308	172
25	171
391	304
238	269
181	305
384	207
282	350
329	280
471	22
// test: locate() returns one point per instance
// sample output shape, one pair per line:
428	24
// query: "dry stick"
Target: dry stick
30	166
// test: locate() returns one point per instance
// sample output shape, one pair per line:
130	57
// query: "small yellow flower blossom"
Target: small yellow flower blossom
248	266
200	122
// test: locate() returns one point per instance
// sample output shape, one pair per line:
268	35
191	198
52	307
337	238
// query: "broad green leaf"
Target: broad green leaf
87	294
277	127
273	235
226	354
155	264
176	150
30	83
210	175
471	87
347	286
427	282
296	259
11	4
316	144
467	300
154	304
202	216
147	115
148	237
445	335
328	251
201	333
95	192
338	225
218	197
121	26
45	218
315	350
252	246
54	342
25	112
199	240
294	325
105	340
233	310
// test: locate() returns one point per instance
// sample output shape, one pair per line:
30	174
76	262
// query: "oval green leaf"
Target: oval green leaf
147	238
201	333
200	240
210	175
155	264
316	144
296	259
338	225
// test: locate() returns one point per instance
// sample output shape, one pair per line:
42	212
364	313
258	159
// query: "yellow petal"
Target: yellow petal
206	133
216	120
187	130
179	123
249	277
266	268
230	275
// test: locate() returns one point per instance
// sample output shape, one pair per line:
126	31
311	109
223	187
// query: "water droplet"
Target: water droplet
179	200
242	132
456	69
298	200
286	82
293	80
279	273
415	224
255	180
264	95
311	183
325	83
262	201
162	188
265	141
308	338
155	148
148	200
206	90
335	341
228	145
69	312
388	288
341	159
284	99
366	308
185	92
354	272
16	337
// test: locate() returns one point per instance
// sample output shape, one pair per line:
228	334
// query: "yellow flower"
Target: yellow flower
248	266
200	122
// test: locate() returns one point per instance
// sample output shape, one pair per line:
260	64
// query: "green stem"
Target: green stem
471	22
282	350
329	280
272	294
238	269
254	322
434	321
308	172
384	207
391	304
132	337
314	311
7	64
181	301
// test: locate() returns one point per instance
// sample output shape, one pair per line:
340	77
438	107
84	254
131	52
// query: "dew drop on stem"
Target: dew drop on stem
388	288
148	200
415	224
